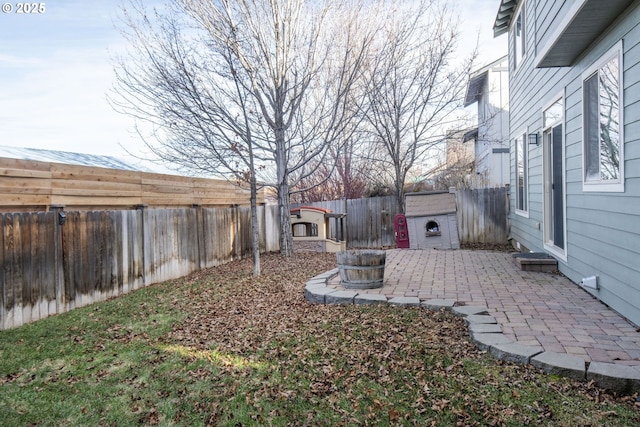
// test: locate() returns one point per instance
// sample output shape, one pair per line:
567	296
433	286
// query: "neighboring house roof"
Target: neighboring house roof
70	158
582	24
430	203
472	134
474	87
503	18
477	81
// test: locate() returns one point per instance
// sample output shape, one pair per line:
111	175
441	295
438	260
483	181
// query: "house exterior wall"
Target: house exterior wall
601	228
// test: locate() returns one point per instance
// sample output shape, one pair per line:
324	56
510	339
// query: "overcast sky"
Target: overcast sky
56	69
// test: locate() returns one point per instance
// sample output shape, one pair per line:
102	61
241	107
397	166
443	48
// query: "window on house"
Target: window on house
519	40
602	124
552	114
521	173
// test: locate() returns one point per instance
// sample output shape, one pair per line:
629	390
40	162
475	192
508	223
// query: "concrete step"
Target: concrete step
535	261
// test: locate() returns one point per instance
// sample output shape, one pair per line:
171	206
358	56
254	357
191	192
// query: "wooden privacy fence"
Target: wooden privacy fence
49	267
369	222
29	185
482	217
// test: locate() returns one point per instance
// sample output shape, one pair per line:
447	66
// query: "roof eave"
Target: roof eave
474	88
584	23
504	16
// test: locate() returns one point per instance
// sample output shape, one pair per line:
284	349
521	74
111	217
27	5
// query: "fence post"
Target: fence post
59	219
200	241
145	236
237	245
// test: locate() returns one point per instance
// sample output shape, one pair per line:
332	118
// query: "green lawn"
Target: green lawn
222	348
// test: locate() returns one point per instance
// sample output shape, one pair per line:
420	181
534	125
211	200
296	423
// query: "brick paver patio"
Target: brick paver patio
532	308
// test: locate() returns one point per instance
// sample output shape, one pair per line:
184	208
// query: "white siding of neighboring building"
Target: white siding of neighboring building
492	142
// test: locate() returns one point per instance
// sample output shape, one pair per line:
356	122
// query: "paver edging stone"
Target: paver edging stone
316	285
467	310
621	379
327	275
483	328
437	304
483	319
617	378
317	295
515	352
405	301
561	364
485	341
340	297
370	299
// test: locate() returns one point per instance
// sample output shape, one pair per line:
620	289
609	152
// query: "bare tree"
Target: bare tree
346	175
233	87
458	167
202	113
413	87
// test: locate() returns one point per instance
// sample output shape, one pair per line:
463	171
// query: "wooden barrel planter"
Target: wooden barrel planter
361	269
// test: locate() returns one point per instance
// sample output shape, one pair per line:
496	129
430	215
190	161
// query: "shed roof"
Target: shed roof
310	208
427	204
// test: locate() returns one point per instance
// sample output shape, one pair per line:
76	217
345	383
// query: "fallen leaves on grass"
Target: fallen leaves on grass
369	364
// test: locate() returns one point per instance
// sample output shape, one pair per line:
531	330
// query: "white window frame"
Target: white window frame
519	42
524	147
605	185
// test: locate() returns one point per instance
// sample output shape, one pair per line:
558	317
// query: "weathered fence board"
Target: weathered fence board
169	248
482	215
268	215
49	268
27	264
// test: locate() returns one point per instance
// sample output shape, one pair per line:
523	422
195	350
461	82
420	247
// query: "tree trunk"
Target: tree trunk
399	182
286	238
286	235
255	230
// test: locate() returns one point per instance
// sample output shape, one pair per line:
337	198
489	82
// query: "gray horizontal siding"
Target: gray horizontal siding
603	229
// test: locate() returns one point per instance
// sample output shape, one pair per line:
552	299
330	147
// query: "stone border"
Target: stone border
487	336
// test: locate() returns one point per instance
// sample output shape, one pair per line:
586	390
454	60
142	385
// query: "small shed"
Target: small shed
312	231
431	220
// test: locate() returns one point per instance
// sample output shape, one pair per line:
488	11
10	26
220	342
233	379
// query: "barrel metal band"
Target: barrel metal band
361	267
